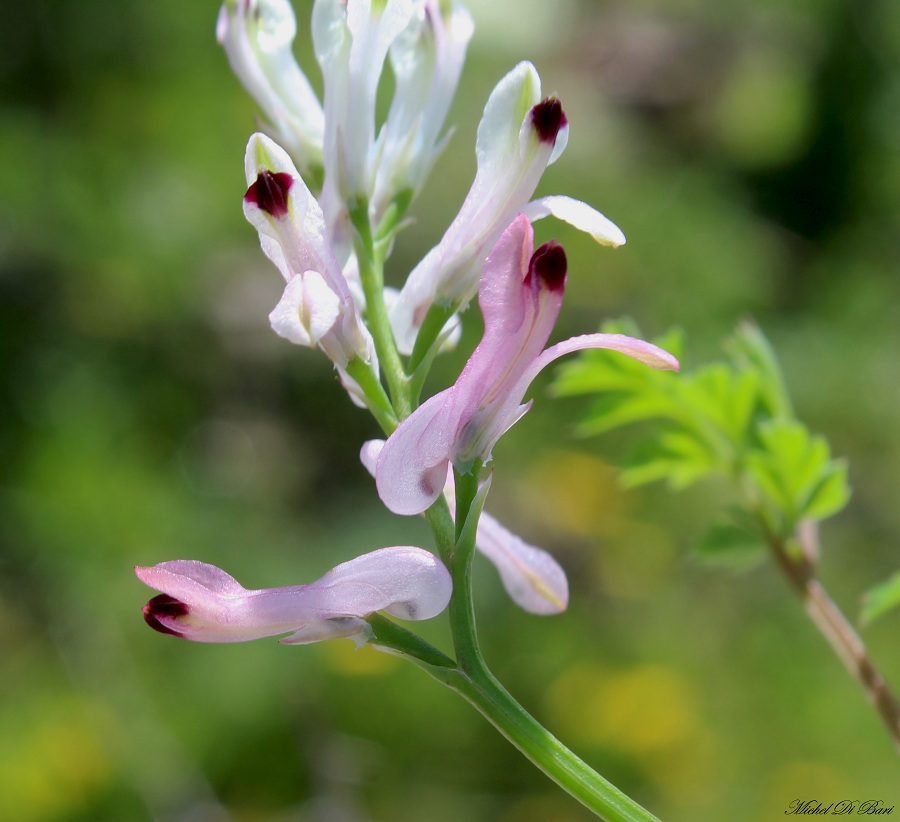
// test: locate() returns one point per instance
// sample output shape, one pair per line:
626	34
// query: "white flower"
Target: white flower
317	308
520	134
257	36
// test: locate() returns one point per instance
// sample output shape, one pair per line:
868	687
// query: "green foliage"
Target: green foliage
133	303
881	599
732	544
731	419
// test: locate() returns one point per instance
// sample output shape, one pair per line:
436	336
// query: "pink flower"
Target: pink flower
202	603
534	580
520	295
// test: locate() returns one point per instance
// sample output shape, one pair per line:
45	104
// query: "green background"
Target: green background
749	151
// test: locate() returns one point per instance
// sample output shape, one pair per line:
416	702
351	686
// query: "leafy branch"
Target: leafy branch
733	420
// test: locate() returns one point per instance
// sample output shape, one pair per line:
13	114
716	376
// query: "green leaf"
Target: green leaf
731	417
676	457
831	494
727	398
730	545
880	599
750	349
617	408
794	470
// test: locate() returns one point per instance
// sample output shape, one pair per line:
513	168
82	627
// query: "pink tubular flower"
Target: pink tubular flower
534	580
202	603
520	296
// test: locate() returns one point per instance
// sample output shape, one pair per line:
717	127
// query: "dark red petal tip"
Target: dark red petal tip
164	606
270	192
548	264
548	118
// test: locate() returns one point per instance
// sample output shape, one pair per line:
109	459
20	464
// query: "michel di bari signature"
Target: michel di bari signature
843	807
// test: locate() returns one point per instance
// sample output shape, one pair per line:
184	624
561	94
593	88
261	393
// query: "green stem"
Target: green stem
544	750
434	322
371	273
462	609
470	676
494	703
474	682
377	400
390	635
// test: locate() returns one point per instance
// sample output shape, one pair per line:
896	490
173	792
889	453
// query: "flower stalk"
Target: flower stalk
471	678
328	200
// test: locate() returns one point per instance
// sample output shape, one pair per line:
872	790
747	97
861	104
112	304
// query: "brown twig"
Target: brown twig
800	570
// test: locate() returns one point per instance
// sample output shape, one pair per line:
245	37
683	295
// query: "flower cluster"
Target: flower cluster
328	189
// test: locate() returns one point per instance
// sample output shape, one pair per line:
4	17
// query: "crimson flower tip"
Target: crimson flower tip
270	192
549	265
164	606
548	118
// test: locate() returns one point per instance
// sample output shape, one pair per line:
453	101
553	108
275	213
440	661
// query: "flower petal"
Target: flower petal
412	468
293	235
512	150
577	214
532	577
427	58
307	310
340	627
534	580
643	352
520	309
296	241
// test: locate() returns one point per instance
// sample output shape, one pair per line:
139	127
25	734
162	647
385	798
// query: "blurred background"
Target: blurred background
750	152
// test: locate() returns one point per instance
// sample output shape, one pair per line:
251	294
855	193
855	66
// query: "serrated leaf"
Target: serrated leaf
616	409
750	348
651	471
831	494
880	599
723	397
730	545
677	457
742	404
683	444
677	474
798	462
759	465
584	376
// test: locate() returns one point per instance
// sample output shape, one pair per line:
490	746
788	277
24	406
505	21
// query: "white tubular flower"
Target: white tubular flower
257	37
352	39
427	59
520	134
317	308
